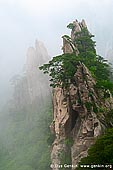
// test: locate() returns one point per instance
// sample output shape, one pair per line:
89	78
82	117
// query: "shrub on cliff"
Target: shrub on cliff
101	153
62	68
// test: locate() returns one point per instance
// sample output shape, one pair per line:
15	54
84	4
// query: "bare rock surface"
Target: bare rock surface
38	84
76	112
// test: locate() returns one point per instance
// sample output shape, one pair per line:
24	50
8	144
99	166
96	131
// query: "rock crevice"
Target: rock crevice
77	119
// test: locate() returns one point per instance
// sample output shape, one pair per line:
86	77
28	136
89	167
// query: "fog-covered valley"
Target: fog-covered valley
25	95
24	121
22	23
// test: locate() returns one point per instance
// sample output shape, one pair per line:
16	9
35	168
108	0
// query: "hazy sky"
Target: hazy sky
23	21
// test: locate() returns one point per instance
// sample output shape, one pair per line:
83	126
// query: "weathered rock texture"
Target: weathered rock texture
38	84
78	118
68	46
33	87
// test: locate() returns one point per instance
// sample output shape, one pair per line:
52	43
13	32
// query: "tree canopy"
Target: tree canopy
101	153
62	68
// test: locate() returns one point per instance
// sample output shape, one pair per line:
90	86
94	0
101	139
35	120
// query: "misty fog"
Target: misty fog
30	34
22	22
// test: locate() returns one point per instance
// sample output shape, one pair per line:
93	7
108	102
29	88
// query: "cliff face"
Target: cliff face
78	119
38	84
33	87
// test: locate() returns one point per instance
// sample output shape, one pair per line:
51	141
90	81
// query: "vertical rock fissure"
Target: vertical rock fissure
77	116
74	116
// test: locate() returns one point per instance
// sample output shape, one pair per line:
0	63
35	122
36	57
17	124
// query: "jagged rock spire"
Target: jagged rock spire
68	43
38	84
77	117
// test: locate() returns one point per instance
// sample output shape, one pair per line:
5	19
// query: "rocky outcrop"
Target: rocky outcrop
38	84
78	117
77	27
68	42
33	87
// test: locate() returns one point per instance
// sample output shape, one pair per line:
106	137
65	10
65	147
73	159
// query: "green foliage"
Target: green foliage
50	139
65	158
85	44
101	109
67	37
101	152
95	109
23	139
62	68
109	118
70	26
88	106
69	142
104	84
